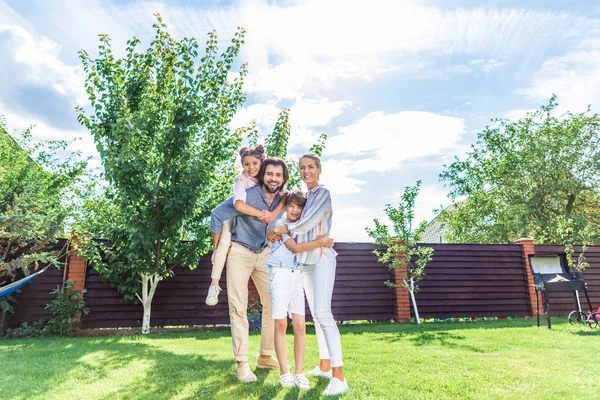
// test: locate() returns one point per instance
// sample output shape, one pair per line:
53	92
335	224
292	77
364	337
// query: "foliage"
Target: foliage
67	307
277	146
34	329
565	233
34	178
254	314
522	178
161	125
401	247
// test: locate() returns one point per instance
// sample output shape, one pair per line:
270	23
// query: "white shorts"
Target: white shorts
286	287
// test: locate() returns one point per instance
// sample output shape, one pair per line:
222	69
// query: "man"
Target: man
247	258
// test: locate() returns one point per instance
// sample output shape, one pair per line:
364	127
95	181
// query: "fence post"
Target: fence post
401	292
76	271
528	248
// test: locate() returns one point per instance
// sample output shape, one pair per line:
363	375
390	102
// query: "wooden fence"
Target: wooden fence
463	280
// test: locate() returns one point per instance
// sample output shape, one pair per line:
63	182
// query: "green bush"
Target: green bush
36	328
66	308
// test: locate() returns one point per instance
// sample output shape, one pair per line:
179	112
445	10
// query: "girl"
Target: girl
319	272
251	158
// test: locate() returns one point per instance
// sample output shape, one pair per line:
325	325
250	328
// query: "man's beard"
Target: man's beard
268	189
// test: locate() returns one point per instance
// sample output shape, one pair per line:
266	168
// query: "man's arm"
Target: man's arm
294	247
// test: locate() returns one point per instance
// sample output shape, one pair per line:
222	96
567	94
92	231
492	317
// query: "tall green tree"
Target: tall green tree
35	177
160	123
522	178
277	144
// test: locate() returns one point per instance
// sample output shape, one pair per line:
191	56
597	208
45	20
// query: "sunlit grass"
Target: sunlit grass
460	360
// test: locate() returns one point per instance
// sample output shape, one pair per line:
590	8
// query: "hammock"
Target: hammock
13	287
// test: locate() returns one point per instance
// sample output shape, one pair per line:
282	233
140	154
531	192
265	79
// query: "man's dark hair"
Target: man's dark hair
296	197
273	161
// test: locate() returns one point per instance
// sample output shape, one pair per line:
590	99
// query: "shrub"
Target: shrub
66	308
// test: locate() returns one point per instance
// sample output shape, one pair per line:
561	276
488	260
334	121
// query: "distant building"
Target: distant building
435	232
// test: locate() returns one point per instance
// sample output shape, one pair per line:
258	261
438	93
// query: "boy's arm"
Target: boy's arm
294	247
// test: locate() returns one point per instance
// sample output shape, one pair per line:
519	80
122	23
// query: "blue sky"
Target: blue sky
400	87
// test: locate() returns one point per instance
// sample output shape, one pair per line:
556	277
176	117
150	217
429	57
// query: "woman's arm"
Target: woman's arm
313	214
294	247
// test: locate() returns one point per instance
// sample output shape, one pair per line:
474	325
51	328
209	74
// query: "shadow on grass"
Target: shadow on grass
595	332
111	368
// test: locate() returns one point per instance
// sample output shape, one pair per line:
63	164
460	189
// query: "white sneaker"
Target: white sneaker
316	371
301	382
286	380
245	375
336	387
213	295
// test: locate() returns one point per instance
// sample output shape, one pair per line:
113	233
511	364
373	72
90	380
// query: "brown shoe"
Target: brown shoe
267	362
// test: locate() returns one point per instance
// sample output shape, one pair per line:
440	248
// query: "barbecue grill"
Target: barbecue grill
551	274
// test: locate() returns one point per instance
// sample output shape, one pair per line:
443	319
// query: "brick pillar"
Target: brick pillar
76	271
402	295
528	249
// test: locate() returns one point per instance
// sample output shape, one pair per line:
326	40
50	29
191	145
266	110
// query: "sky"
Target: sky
401	88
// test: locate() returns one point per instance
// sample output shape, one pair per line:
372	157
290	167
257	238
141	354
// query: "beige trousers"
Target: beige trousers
243	264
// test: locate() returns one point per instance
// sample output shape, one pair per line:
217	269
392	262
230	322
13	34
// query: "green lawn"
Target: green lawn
483	359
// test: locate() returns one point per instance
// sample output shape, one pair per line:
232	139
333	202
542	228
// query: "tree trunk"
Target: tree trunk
149	284
412	296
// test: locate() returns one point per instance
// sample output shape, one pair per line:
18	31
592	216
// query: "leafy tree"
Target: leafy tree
401	248
521	178
160	123
277	146
34	178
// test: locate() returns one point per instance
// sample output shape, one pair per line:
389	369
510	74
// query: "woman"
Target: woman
319	276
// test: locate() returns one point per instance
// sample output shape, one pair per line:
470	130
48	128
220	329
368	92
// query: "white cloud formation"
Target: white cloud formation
381	142
574	77
306	115
30	61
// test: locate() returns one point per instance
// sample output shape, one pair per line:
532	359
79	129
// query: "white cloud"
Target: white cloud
318	42
382	142
305	116
517	114
337	177
29	61
574	77
349	223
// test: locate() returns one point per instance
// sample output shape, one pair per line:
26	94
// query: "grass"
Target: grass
455	360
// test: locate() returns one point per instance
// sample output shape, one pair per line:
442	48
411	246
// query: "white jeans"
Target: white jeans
318	286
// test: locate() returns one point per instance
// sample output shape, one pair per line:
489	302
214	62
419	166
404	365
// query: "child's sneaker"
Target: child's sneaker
213	295
336	387
286	380
301	382
316	371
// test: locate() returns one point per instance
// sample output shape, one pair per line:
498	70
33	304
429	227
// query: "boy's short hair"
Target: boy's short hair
296	197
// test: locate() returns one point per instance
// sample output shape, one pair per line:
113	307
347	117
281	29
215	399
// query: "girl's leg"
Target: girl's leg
323	281
280	329
299	325
309	290
221	253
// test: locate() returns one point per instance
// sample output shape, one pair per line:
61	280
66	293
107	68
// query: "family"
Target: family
286	257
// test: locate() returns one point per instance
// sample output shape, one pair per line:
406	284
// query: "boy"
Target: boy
287	294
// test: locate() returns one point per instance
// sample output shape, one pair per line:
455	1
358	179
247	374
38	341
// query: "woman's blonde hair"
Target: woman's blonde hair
313	157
